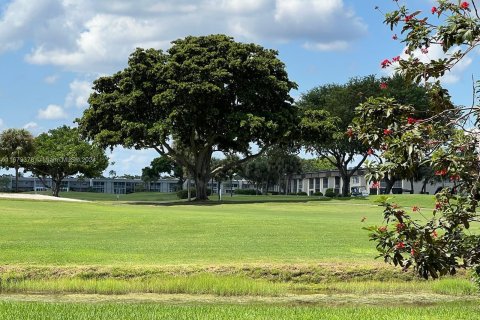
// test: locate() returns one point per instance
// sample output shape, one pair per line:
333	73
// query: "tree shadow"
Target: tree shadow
225	202
213	202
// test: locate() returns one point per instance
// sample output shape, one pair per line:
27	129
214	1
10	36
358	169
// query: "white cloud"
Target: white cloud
31	126
52	112
51	79
23	18
79	93
129	161
97	36
331	46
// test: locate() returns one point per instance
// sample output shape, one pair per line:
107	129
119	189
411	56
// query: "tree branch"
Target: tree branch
228	166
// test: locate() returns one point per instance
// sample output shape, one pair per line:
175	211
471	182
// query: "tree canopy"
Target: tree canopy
16	147
338	103
207	94
62	152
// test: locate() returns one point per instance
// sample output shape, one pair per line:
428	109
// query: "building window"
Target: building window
355	180
325	183
311	186
337	182
98	186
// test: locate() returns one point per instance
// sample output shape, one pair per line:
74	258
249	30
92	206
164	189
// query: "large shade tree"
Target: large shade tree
62	152
339	101
206	93
16	148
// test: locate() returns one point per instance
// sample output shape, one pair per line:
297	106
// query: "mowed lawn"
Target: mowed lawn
40	311
249	257
57	233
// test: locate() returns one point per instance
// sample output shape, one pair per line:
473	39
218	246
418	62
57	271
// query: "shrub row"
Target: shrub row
183	194
248	192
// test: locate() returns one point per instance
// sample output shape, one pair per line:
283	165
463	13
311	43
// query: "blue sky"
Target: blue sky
52	50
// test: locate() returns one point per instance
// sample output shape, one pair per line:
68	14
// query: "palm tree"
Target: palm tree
15	146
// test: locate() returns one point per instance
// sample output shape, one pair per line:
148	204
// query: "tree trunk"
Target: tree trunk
411	187
201	188
201	173
56	188
424	186
389	184
287	185
346	185
16	179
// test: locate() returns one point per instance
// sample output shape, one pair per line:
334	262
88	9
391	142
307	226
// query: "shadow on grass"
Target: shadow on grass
213	202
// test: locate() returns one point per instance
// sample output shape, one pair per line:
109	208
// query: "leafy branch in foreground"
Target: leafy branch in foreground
433	243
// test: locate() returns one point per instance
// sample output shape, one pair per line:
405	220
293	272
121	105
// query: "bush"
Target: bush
248	192
318	194
183	194
301	193
330	193
274	193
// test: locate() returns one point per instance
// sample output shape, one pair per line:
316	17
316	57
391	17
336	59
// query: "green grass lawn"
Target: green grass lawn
43	233
80	311
300	257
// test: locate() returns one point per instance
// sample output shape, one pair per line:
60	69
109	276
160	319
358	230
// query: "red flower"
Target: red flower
382	228
395	59
455	177
408	18
387	132
400	226
370	151
383	85
395	206
411	120
415	209
438	206
375	185
434	233
400	245
412	252
434	10
464	5
394	37
442	172
349	132
385	63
